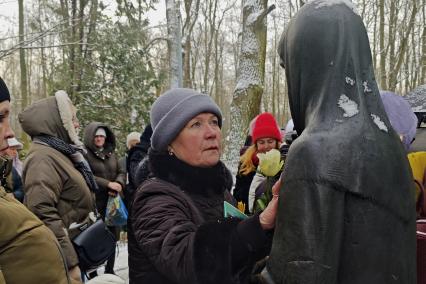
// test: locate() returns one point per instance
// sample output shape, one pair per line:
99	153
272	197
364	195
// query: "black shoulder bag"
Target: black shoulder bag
94	245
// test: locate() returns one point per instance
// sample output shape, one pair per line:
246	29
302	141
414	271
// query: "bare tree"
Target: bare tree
423	54
250	77
23	66
383	80
191	11
402	49
174	43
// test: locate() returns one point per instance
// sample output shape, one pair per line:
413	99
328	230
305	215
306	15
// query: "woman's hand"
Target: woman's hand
75	273
267	217
115	188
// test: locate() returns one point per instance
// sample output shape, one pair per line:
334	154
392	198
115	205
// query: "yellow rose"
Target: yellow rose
270	163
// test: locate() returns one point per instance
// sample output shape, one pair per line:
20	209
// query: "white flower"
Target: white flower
270	163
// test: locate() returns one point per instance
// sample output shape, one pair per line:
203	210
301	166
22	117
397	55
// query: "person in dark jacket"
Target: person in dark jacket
180	234
110	177
137	164
347	213
132	140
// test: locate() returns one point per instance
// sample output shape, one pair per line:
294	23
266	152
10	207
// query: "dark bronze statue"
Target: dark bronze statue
346	211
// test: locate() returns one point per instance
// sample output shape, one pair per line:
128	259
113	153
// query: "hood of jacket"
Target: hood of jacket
345	134
89	136
51	116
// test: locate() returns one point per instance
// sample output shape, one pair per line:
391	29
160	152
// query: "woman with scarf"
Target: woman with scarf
347	212
58	183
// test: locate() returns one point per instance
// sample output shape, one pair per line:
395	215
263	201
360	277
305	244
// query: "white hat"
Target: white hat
290	126
100	132
14	143
132	136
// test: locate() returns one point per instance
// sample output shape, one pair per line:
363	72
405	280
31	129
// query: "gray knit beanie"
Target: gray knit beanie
172	111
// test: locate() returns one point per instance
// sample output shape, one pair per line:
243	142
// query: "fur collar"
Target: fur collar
192	179
66	109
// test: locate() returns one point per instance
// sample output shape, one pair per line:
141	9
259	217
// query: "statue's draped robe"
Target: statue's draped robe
346	210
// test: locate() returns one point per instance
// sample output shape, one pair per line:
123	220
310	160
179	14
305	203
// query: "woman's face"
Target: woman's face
99	141
5	130
198	143
263	145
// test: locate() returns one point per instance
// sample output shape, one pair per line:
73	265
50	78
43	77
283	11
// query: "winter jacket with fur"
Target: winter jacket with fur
104	163
55	191
180	235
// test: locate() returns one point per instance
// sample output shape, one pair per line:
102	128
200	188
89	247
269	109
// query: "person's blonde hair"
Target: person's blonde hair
246	161
247	165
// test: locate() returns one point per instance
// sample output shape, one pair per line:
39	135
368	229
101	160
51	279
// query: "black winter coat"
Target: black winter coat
346	211
242	187
179	233
137	165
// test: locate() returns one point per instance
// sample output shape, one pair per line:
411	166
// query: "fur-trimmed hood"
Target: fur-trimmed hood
89	135
51	116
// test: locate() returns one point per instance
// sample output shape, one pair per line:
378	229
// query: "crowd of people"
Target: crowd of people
342	209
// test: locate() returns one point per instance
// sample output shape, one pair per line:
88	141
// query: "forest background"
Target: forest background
115	57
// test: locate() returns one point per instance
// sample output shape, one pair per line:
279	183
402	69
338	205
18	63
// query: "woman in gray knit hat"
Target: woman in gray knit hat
180	234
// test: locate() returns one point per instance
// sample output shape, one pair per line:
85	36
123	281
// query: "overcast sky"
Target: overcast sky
9	14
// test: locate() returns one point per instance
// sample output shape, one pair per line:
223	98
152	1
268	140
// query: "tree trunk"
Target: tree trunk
42	54
191	19
392	37
382	45
375	43
23	67
72	56
79	68
402	49
423	58
174	44
250	77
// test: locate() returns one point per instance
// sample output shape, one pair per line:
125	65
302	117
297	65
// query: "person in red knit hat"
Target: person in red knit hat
266	136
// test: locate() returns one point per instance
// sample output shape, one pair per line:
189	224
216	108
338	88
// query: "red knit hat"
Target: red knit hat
266	127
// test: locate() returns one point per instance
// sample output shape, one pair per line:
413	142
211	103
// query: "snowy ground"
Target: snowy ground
121	266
